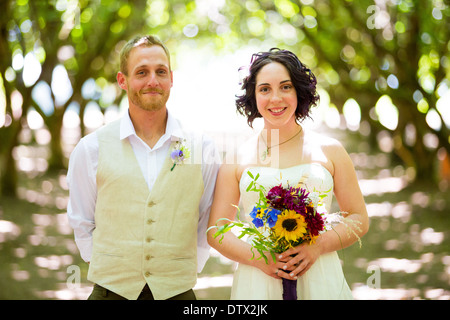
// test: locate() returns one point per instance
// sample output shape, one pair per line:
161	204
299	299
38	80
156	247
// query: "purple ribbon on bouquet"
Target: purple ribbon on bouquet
289	289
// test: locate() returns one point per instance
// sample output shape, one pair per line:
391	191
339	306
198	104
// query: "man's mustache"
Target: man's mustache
160	91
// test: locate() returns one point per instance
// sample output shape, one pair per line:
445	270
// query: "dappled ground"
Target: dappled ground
405	255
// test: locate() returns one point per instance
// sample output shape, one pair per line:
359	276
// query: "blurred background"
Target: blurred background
383	70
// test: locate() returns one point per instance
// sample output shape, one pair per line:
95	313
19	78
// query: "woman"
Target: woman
281	90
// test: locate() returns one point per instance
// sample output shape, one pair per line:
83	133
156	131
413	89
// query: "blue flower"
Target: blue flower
260	216
272	217
257	214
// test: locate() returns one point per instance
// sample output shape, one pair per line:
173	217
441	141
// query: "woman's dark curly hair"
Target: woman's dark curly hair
302	79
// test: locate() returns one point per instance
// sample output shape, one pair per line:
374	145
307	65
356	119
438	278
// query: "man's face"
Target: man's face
149	78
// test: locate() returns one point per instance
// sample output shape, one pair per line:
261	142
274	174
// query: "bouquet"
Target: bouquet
283	217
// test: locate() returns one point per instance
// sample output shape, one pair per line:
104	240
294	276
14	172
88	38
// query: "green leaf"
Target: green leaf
222	228
273	256
223	219
263	256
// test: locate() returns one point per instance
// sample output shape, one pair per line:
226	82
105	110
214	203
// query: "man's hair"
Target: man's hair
146	41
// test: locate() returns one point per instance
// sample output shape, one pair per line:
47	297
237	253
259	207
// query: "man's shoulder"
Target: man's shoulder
90	142
110	127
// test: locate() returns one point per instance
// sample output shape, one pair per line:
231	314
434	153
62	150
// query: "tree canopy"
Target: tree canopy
387	62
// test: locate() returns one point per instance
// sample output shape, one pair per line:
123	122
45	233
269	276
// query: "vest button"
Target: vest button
151	204
148	257
150	221
148	239
147	274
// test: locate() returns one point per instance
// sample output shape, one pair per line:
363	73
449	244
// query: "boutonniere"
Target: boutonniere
180	153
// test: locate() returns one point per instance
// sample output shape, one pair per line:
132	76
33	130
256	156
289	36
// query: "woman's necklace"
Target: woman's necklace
266	152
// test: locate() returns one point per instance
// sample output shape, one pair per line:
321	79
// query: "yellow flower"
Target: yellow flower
260	213
290	225
312	239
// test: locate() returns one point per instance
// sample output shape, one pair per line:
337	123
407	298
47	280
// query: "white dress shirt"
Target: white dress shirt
81	178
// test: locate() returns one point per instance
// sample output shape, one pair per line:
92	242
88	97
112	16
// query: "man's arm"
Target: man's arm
210	168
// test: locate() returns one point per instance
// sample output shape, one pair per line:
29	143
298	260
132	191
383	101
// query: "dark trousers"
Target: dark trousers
100	293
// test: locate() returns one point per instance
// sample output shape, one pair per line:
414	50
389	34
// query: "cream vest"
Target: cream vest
140	236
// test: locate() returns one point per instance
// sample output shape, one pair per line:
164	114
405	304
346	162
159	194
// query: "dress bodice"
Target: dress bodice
315	178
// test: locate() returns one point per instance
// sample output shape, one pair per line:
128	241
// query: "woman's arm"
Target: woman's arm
350	199
226	195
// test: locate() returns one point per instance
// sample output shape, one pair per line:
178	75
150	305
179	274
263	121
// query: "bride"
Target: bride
281	90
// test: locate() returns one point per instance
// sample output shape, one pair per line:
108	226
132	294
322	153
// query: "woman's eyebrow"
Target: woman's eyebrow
267	84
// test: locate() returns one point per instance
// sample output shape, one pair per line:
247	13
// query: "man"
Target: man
139	212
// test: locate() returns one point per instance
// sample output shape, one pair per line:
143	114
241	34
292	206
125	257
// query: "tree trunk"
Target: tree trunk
8	170
56	160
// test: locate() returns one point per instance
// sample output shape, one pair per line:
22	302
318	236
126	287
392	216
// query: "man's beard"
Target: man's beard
150	103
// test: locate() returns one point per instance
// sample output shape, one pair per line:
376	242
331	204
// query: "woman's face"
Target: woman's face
276	98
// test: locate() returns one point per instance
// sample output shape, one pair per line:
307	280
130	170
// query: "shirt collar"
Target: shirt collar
173	128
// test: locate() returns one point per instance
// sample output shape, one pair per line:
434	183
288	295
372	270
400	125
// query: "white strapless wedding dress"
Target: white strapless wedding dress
325	279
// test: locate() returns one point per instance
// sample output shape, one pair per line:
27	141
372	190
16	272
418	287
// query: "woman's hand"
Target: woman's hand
273	269
299	259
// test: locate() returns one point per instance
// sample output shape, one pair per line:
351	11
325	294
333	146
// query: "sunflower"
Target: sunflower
290	226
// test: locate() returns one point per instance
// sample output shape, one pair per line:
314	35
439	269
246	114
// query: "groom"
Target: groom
139	215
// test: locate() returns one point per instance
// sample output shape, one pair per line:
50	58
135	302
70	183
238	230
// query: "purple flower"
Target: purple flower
276	196
177	155
314	220
297	200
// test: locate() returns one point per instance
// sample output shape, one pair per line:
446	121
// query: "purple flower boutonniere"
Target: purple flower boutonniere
179	154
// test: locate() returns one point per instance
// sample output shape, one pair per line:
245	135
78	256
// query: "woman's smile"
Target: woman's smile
277	111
